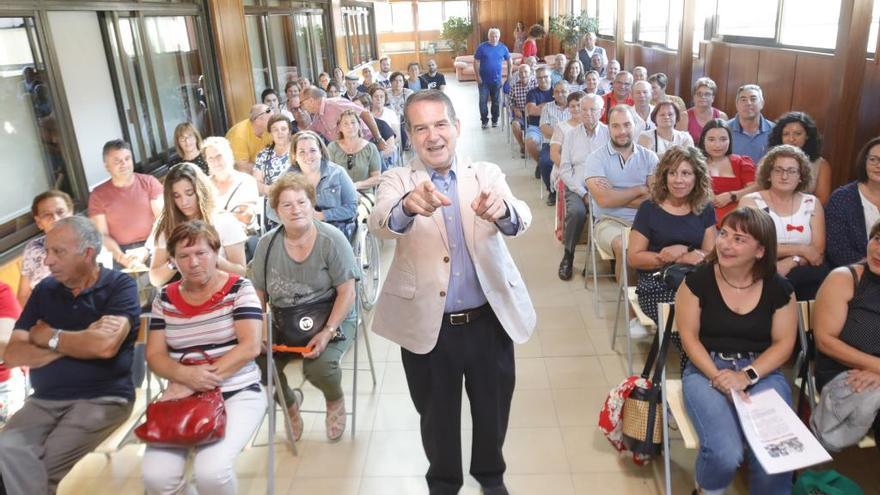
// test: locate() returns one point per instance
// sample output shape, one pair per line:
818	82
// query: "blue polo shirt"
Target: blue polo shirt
753	146
490	58
115	293
538	96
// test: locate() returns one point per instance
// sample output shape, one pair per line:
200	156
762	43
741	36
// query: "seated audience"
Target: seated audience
612	68
311	263
360	157
853	209
270	97
323	80
304	83
733	176
591	83
274	161
641	97
749	127
618	177
47	208
336	196
390	153
301	119
574	76
591	50
702	112
76	334
433	79
519	90
396	98
552	114
367	72
125	207
532	62
12	386
590	135
797	215
536	99
639	73
737	320
237	192
798	129
219	312
677	225
326	113
620	94
249	137
573	105
560	63
845	322
351	88
597	64
664	135
188	144
658	83
338	76
190	196
413	80
334	90
383	77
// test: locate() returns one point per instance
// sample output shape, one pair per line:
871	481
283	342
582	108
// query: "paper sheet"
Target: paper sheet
778	438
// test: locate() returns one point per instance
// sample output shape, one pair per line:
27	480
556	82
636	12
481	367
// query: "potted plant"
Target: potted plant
456	31
569	28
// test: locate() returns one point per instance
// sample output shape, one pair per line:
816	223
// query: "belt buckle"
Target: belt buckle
728	356
459	318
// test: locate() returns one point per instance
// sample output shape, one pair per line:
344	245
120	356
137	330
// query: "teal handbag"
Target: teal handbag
825	483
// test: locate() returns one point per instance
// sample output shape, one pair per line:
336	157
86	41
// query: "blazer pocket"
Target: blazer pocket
400	284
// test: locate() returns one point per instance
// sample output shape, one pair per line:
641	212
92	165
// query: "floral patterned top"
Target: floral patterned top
273	166
32	261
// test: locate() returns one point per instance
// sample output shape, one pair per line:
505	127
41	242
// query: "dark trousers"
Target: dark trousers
481	352
545	164
487	91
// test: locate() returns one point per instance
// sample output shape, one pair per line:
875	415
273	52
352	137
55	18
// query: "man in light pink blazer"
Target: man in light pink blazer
453	298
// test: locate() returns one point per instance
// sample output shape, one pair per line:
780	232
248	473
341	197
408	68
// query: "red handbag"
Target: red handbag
198	419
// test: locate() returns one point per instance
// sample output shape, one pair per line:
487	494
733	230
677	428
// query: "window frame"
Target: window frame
773	42
362	15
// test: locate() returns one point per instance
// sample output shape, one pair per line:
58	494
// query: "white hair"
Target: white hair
89	235
221	144
596	99
494	30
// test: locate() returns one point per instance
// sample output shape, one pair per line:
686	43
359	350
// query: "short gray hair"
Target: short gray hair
496	30
221	144
596	99
750	87
89	235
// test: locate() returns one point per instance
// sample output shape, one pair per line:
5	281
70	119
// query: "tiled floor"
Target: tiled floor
563	374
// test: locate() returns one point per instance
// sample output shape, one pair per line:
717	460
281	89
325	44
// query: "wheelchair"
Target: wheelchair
367	250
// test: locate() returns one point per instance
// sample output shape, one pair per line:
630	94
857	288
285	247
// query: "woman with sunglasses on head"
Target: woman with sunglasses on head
274	160
798	216
359	157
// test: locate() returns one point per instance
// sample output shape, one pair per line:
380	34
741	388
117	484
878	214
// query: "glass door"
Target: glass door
311	42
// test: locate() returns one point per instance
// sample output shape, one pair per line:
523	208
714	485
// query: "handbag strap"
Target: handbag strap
657	354
196	351
266	261
226	206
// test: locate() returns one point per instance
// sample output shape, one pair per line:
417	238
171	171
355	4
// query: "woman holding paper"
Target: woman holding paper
737	319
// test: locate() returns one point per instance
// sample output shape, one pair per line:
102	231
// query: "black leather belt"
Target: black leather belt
465	317
732	356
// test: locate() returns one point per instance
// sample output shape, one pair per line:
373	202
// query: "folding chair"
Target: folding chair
594	251
626	297
805	363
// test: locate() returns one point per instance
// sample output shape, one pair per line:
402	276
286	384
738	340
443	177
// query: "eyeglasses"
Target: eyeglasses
783	172
706	94
873	160
350	161
543	77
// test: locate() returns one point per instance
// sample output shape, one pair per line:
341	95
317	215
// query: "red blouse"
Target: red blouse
743	174
530	49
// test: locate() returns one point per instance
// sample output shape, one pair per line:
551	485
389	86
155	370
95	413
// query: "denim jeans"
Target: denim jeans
721	439
488	90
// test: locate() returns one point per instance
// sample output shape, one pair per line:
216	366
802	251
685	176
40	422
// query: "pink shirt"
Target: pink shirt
324	122
129	215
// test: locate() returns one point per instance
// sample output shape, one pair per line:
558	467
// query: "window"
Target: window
653	18
430	16
872	34
704	16
457	8
629	24
360	46
747	18
810	23
607	14
159	77
29	132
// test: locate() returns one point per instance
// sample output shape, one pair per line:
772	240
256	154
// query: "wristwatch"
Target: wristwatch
751	374
53	340
335	334
796	259
733	197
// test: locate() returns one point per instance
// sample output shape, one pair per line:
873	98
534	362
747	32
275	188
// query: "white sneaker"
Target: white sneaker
636	329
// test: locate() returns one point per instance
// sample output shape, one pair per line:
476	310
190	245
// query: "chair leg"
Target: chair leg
288	428
366	332
667	460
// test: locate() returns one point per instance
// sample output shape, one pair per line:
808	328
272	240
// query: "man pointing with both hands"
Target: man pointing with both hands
453	298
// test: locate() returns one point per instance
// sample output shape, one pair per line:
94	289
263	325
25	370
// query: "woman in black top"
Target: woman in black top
737	320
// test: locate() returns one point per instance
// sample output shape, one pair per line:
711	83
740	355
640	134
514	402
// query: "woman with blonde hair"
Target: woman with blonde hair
359	157
189	195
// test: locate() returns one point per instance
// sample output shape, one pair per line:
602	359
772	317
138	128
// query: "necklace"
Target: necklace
738	288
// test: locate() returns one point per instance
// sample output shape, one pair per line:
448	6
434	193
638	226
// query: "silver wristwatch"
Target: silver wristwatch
53	341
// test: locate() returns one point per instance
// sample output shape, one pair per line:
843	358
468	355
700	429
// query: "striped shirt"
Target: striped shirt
210	326
553	114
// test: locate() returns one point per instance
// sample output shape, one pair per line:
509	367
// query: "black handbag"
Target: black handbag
295	326
642	415
673	274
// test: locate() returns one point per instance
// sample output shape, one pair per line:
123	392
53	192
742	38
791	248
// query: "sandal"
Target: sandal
336	418
296	420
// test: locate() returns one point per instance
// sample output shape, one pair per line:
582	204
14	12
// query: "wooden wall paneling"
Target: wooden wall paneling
776	70
619	29
685	60
233	57
742	69
811	89
717	59
609	46
869	107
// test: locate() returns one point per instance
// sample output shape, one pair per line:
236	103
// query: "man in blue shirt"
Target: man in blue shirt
488	59
453	298
76	334
750	129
